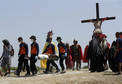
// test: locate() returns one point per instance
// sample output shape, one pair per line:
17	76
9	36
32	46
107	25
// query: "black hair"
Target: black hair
6	42
20	38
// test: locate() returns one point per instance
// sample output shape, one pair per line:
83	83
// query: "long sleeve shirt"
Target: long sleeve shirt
50	49
35	48
62	48
6	51
23	49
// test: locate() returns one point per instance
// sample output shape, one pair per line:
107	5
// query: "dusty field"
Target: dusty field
71	77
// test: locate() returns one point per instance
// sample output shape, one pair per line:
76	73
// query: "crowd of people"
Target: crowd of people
71	54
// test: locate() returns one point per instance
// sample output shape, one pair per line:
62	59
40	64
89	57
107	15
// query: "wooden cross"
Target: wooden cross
97	16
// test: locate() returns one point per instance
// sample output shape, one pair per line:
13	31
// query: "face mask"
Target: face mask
32	40
20	42
58	41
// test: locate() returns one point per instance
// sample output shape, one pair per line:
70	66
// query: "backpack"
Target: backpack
12	51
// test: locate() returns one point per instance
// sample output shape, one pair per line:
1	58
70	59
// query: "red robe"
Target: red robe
109	46
69	63
85	55
80	49
107	54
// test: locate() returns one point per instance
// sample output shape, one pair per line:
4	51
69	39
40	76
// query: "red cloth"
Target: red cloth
109	46
85	55
120	36
104	19
101	35
69	63
80	49
107	54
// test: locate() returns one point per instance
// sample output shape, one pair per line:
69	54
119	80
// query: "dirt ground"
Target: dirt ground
70	77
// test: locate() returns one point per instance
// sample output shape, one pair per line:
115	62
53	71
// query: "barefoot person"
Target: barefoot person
7	48
23	55
34	53
62	53
119	52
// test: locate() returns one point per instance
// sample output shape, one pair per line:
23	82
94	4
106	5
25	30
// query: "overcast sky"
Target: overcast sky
36	17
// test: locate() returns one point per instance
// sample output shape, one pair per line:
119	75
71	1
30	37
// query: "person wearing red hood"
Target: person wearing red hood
119	52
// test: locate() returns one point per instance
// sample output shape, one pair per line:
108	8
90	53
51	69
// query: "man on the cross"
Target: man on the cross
98	21
97	25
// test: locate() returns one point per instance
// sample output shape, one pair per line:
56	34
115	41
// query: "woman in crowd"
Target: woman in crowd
69	63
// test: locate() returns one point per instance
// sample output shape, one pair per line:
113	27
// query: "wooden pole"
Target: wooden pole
97	10
108	18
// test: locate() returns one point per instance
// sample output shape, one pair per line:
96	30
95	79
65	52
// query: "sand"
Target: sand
70	77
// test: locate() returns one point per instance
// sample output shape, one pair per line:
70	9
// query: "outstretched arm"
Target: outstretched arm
91	20
104	19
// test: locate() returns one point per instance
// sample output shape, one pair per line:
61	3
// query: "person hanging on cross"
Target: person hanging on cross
98	21
97	25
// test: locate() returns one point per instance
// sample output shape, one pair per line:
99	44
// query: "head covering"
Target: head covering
49	36
75	41
6	42
58	38
33	37
50	33
20	38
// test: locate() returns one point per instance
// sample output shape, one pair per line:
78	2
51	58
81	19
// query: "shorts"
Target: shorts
6	61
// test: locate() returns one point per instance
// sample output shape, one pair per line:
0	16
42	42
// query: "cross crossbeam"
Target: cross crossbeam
97	16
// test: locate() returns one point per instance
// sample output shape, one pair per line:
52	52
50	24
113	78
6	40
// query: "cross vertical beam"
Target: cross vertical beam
97	16
97	10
